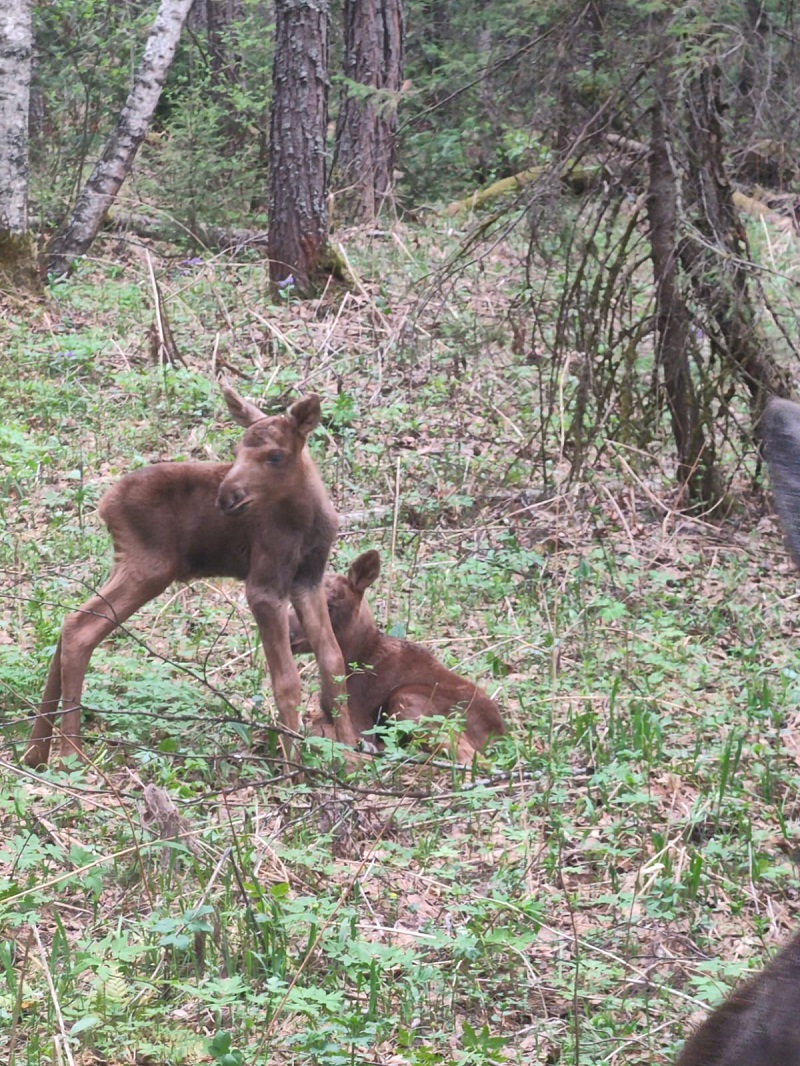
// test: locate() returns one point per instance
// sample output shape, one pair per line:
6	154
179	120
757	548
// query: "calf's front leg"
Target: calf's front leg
271	614
311	605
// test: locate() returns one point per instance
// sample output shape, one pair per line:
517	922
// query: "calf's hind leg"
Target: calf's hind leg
38	750
411	703
123	594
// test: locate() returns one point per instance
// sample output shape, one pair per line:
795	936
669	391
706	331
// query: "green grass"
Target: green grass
613	866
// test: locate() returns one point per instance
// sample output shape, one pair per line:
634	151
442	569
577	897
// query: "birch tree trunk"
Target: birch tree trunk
367	124
80	229
17	253
298	216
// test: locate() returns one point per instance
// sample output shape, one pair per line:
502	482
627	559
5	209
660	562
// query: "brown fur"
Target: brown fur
265	519
758	1025
394	678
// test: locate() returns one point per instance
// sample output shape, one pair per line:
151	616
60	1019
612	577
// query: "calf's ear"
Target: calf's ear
306	414
241	411
364	571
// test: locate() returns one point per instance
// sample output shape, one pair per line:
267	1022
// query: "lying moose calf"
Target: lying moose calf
392	678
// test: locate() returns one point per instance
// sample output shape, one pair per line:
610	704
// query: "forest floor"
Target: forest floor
581	895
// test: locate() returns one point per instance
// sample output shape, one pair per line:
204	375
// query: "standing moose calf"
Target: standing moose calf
759	1023
392	678
265	519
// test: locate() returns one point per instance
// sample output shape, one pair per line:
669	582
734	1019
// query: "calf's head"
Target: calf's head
271	460
351	617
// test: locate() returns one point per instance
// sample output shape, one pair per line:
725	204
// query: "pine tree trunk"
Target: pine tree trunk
367	123
18	268
717	262
298	214
78	232
220	16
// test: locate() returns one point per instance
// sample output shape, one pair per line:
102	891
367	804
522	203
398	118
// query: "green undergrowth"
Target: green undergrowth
609	868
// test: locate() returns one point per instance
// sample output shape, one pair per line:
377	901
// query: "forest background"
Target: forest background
553	281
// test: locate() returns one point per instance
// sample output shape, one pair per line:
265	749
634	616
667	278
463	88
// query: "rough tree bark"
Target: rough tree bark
82	226
716	259
696	459
367	123
18	268
217	23
220	15
298	213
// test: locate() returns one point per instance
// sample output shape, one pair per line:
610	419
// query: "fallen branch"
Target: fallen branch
758	209
222	238
576	177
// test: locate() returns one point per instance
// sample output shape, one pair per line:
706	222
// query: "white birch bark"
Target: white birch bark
80	229
16	48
